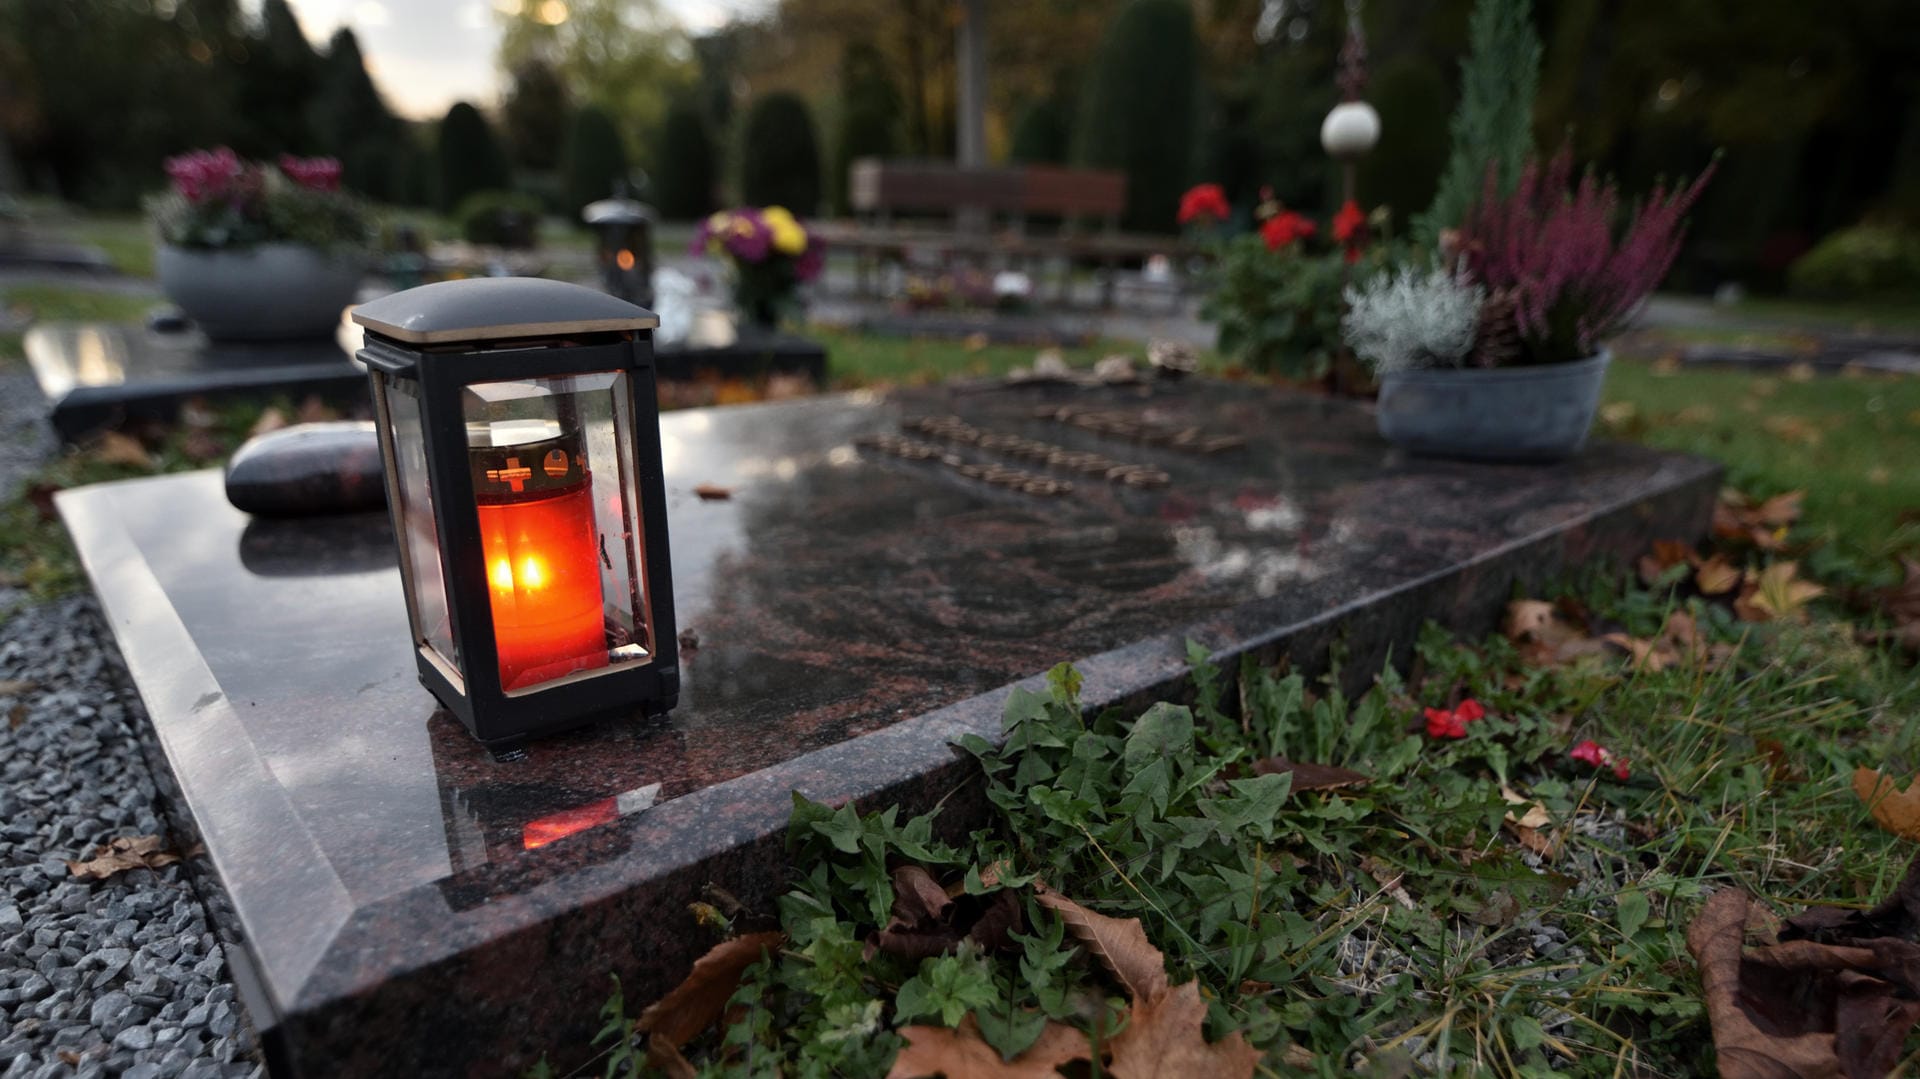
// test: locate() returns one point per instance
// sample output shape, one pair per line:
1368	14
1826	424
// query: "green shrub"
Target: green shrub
1858	262
1043	135
779	157
1140	110
684	182
500	219
470	159
1279	311
596	161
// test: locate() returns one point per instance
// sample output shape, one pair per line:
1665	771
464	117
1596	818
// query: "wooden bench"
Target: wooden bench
1024	217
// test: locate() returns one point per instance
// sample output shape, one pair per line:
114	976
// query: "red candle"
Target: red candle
543	568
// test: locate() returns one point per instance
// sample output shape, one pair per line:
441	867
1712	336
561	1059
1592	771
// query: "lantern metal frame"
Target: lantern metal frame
567	330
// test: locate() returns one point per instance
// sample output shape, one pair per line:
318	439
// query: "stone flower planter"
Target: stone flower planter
1501	414
269	291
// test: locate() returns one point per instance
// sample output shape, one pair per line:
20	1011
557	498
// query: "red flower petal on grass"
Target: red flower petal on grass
1442	723
1592	752
1469	710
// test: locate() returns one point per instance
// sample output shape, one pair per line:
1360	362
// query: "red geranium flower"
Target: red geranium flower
1348	223
1204	201
1283	228
1452	722
1592	752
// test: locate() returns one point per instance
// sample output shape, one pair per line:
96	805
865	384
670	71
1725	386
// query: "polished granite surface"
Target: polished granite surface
846	613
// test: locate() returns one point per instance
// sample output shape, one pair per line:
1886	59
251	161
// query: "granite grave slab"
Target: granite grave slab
410	906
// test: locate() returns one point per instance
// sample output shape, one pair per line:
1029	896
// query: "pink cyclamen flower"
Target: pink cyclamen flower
1452	722
317	173
203	175
1592	752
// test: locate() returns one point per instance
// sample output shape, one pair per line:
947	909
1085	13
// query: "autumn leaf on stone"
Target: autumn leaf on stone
122	854
713	492
1120	943
1896	810
1165	1037
1776	594
699	999
961	1053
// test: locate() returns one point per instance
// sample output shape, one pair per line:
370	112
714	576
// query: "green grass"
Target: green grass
49	303
859	359
1884	315
125	238
1849	442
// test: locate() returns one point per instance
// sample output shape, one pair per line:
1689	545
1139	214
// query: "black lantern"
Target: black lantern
625	230
520	433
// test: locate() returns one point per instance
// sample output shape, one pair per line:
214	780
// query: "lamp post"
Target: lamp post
1352	129
520	435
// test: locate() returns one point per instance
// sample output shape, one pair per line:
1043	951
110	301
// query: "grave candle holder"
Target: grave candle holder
519	430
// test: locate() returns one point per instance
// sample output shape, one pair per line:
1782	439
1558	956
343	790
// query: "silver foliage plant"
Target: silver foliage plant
1412	318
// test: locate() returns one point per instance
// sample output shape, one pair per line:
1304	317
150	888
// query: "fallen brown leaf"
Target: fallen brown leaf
1545	639
122	854
1120	943
961	1053
201	447
1388	878
1896	810
1164	1037
114	448
1716	576
1762	524
1776	593
1536	815
1835	996
1311	777
699	999
930	920
1665	555
713	492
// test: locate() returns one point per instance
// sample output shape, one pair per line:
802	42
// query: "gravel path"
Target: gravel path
115	977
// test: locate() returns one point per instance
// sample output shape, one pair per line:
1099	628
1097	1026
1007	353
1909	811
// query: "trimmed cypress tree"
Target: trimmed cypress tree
779	157
1499	80
1043	134
683	184
1140	108
596	161
870	107
470	158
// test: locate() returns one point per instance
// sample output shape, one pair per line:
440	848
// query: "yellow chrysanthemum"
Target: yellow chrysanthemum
788	237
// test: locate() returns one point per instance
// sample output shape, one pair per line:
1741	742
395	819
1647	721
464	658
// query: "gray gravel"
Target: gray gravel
117	977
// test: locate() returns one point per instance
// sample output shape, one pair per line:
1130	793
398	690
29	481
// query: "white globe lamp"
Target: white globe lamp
1350	130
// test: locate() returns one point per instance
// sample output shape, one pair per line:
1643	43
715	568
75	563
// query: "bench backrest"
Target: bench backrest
882	186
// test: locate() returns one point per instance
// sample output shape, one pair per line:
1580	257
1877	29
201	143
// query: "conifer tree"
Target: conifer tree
1493	125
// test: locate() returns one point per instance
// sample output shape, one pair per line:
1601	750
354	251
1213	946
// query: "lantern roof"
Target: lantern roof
492	308
617	211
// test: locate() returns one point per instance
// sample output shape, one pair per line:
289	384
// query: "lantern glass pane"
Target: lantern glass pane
418	539
552	461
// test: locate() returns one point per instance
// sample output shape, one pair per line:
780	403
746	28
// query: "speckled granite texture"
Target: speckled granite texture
853	614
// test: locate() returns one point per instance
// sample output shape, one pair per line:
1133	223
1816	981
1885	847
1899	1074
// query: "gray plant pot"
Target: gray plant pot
268	291
1503	414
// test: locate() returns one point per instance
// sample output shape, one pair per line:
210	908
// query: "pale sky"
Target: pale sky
427	54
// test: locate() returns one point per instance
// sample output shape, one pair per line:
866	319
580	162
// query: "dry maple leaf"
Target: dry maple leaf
1898	811
1776	593
699	999
1544	638
271	419
1164	1037
1745	1051
1311	777
1716	576
1536	815
961	1053
713	492
1120	943
119	855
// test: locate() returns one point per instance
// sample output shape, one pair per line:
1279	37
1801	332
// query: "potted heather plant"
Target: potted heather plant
768	254
254	250
1499	352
